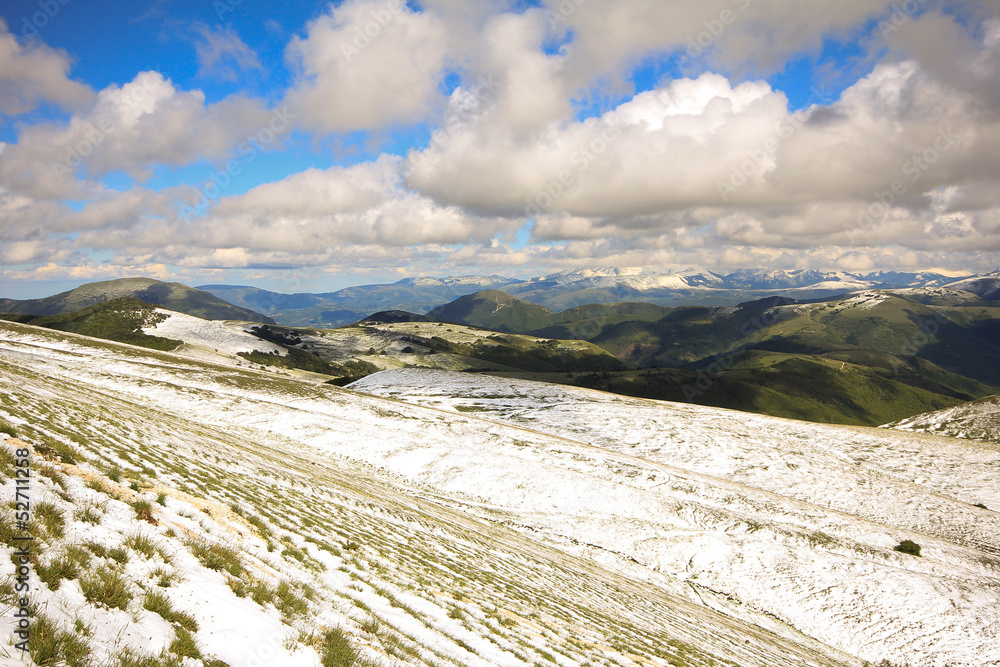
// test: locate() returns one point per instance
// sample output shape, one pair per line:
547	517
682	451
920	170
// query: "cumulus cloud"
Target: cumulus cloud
867	169
759	35
709	168
358	205
132	128
33	74
368	64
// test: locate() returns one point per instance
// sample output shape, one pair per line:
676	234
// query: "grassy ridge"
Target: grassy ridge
800	388
119	320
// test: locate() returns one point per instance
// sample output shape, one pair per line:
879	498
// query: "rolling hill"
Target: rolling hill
121	320
173	296
496	310
435	518
865	358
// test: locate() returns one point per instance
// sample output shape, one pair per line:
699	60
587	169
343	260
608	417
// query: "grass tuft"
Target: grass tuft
336	651
107	587
140	543
158	603
49	646
184	645
144	510
217	557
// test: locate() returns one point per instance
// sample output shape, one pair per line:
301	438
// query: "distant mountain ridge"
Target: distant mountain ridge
172	296
568	289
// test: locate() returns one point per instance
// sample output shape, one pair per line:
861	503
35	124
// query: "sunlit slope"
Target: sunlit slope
794	518
978	420
786	526
411	529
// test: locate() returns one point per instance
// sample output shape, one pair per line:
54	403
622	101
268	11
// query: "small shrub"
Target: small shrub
161	499
115	475
289	602
7	462
908	547
129	658
164	579
238	587
88	514
107	587
51	449
96	548
292	552
159	604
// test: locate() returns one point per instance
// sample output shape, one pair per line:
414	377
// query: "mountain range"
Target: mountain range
560	291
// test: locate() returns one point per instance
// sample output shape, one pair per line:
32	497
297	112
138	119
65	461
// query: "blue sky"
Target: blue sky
314	145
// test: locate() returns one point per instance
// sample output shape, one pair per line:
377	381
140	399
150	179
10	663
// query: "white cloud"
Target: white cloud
368	64
33	74
222	54
131	128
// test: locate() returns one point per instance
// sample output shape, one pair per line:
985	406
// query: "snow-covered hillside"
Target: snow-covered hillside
453	519
978	420
203	337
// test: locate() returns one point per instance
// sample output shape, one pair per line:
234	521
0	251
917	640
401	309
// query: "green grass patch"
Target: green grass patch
107	587
184	645
49	646
217	557
335	650
140	543
158	603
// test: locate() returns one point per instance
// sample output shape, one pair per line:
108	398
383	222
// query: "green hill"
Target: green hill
120	320
495	310
172	296
811	388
